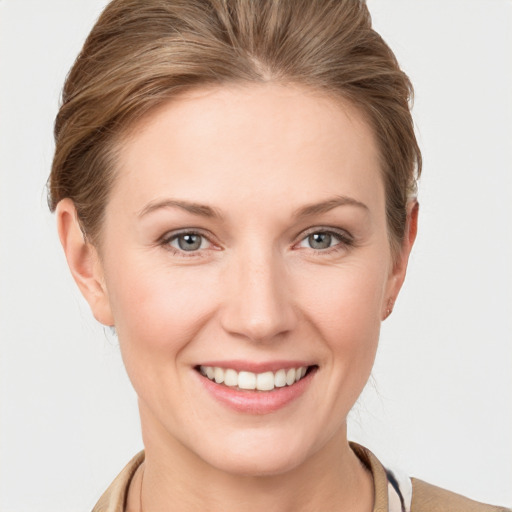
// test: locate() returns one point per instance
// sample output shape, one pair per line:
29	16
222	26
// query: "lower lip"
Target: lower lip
257	402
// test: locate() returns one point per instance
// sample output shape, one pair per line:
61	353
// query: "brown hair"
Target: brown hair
140	53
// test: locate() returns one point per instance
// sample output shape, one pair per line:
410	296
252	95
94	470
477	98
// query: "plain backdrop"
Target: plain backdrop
439	405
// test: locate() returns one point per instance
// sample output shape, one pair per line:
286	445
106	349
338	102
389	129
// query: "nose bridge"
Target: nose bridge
259	306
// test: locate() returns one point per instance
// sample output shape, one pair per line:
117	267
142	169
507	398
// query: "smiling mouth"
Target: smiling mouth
249	381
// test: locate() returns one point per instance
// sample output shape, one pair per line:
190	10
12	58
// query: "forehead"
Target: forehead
228	144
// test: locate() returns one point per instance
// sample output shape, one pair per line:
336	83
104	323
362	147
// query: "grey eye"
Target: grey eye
188	242
320	240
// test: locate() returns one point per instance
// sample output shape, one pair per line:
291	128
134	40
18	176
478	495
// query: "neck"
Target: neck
331	479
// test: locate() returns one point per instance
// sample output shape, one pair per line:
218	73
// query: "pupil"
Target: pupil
189	242
320	240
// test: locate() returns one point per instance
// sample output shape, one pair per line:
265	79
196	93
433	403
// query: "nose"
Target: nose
258	305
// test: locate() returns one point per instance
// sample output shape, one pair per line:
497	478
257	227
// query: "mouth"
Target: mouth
252	381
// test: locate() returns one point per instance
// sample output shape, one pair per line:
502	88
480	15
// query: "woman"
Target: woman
234	186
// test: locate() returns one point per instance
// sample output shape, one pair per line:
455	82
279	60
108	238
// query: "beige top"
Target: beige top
425	497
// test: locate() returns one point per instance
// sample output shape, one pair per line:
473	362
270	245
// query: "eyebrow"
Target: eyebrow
194	208
207	211
329	204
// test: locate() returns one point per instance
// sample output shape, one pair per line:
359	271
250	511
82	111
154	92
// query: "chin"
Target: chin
252	465
256	456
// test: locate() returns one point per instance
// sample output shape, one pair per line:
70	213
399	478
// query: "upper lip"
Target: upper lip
256	367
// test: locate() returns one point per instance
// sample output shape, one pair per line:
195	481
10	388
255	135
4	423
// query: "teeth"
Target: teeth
280	379
265	381
218	375
248	380
230	377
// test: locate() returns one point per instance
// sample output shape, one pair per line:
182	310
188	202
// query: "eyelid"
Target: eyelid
166	239
342	233
346	240
171	235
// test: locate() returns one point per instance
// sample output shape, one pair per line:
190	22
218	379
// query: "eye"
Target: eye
323	240
319	240
188	242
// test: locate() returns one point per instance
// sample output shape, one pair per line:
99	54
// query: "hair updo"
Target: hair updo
141	53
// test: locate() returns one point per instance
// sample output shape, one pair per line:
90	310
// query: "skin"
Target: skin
256	290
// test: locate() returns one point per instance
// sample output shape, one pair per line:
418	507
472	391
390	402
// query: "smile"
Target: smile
249	387
245	380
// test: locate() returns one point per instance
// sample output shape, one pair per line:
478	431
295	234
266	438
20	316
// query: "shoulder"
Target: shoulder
395	492
114	498
429	498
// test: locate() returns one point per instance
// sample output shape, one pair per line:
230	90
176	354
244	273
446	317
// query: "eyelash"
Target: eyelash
166	240
345	241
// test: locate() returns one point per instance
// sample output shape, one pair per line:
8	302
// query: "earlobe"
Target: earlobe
83	261
396	279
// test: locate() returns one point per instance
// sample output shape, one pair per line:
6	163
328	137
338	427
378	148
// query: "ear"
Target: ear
399	269
83	261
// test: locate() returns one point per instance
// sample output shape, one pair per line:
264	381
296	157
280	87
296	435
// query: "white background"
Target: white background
440	405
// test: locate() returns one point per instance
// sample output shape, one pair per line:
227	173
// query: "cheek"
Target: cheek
156	311
347	297
344	307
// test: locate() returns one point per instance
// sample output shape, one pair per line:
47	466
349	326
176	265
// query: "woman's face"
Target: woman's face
246	231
